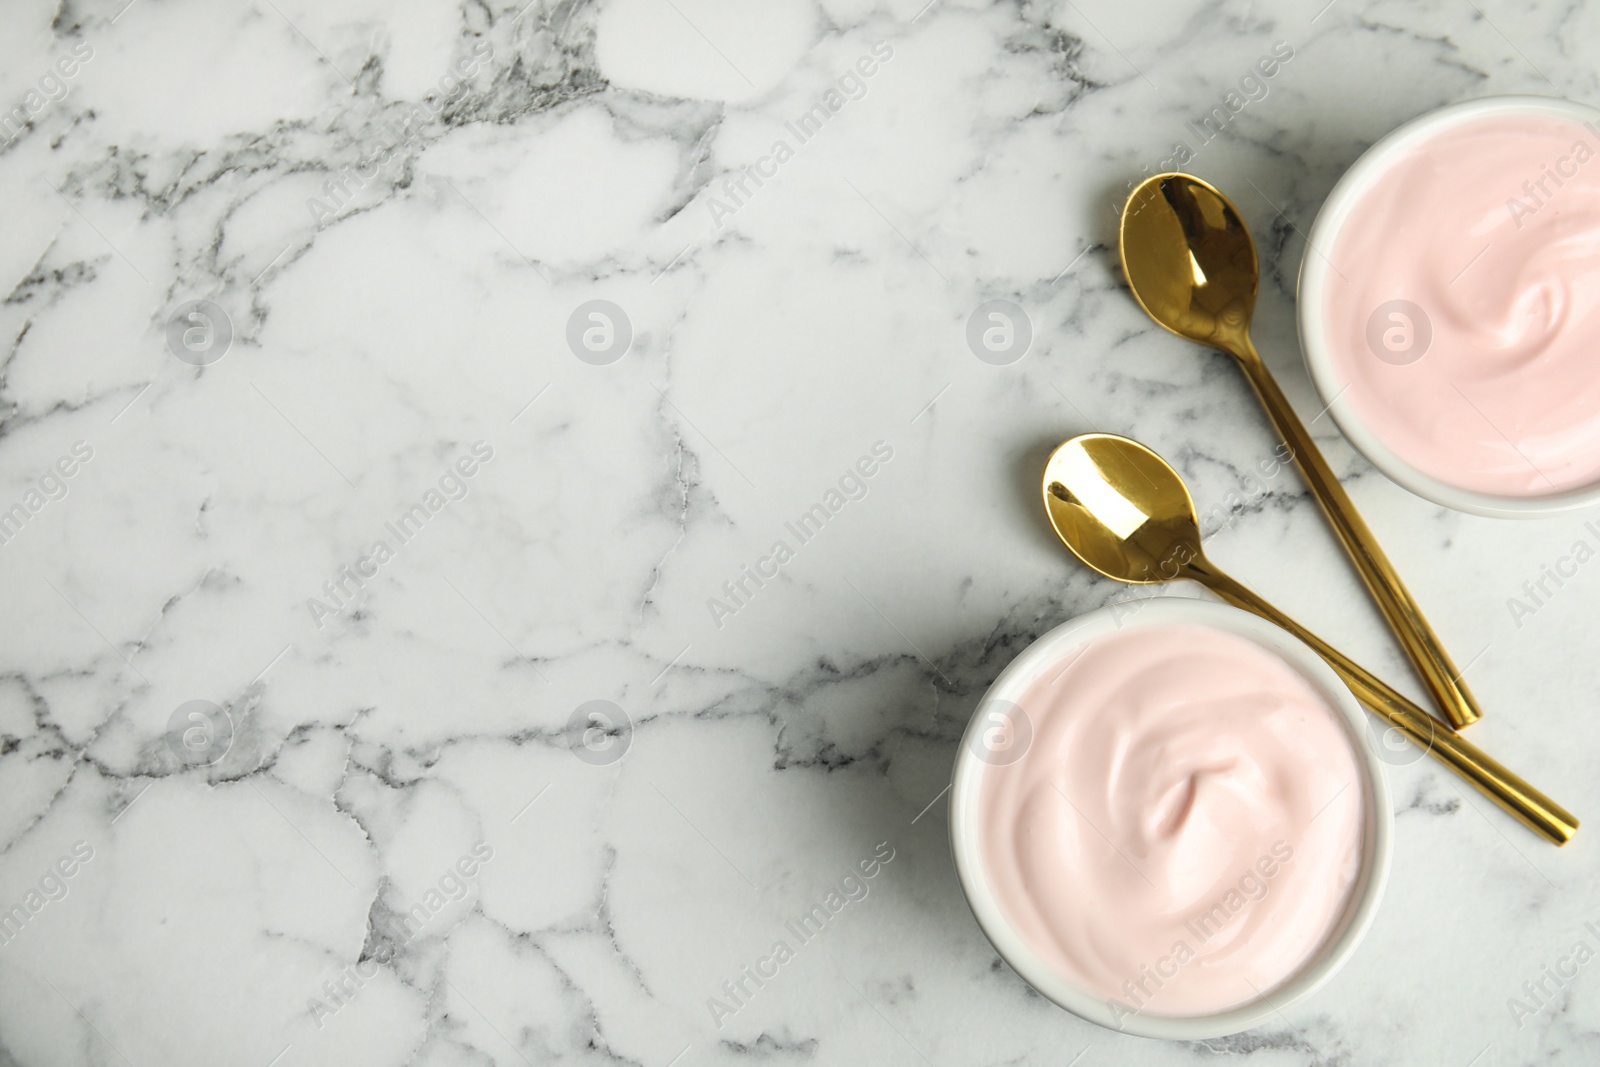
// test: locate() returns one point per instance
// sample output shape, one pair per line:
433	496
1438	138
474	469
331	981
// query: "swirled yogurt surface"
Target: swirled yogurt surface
1184	830
1464	305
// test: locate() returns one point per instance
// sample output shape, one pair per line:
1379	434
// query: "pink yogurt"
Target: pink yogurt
1463	307
1185	828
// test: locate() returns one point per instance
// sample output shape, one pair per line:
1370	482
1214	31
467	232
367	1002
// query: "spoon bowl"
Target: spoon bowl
1120	509
1190	261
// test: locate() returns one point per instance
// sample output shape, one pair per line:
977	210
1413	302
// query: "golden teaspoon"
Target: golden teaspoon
1192	266
1123	511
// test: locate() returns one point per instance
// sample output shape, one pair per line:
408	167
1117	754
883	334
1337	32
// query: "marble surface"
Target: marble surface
270	794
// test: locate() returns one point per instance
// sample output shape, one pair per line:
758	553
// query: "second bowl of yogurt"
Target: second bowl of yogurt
1169	820
1449	305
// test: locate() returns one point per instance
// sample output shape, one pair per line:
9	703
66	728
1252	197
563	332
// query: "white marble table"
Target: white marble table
373	841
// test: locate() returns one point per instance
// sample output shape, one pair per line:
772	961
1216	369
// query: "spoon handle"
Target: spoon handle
1494	780
1405	618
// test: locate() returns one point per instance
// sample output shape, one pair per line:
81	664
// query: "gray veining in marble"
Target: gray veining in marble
402	213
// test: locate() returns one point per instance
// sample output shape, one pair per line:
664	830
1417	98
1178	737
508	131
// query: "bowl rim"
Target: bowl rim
1377	851
1312	320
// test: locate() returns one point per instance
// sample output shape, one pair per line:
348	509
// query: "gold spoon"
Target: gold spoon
1123	511
1192	267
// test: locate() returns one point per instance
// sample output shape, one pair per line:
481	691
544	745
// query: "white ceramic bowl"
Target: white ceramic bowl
967	846
1315	271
